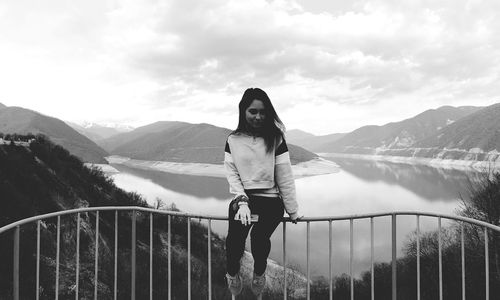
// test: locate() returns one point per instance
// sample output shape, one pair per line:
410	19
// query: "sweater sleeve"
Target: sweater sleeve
284	178
232	175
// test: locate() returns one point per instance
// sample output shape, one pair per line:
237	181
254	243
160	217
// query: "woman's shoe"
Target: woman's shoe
234	284
258	283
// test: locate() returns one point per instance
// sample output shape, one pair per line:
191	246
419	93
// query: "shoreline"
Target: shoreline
314	167
481	166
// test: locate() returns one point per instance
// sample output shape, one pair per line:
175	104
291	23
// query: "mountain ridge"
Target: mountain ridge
402	134
20	120
181	142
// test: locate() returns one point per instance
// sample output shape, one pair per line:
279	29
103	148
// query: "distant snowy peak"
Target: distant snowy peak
116	126
97	132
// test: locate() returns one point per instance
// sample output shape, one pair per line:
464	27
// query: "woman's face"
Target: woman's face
255	114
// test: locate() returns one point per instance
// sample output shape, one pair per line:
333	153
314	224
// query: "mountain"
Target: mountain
97	132
2	106
181	142
477	134
123	138
398	135
297	134
310	141
22	121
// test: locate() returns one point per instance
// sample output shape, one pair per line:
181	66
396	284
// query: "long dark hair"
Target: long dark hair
272	128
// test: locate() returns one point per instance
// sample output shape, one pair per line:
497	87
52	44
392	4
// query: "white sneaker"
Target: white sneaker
234	284
258	283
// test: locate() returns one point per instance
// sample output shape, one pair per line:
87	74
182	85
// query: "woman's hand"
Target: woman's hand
243	215
295	217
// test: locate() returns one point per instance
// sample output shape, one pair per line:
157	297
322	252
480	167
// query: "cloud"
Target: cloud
174	57
396	48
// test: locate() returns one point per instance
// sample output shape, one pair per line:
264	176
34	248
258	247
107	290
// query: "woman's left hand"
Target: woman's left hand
244	215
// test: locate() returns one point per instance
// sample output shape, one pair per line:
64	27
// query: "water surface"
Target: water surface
360	187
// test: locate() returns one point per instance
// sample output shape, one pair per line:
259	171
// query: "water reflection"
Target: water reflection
198	186
428	182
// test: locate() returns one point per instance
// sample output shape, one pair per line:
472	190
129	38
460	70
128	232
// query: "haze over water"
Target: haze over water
359	187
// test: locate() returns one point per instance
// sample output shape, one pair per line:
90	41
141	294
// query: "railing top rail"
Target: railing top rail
214	217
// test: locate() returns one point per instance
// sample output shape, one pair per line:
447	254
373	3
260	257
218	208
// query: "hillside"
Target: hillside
59	181
110	144
181	142
310	141
2	106
477	133
397	135
23	121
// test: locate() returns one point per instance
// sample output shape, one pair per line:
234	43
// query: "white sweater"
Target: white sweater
250	170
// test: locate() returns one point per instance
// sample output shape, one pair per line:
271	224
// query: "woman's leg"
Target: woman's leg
235	242
270	211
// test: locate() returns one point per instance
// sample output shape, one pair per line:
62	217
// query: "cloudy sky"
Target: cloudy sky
328	66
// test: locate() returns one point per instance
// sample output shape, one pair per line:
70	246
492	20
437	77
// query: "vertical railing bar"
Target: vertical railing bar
169	273
351	257
462	249
394	262
17	237
440	254
486	263
372	259
115	284
133	258
418	257
77	279
37	260
57	255
330	276
284	262
151	256
307	261
96	263
209	259
189	256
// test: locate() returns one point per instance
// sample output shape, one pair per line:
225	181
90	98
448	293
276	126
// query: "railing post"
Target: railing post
189	256
58	254
351	256
418	257
96	263
394	262
486	263
115	283
284	262
37	260
440	260
462	250
330	275
209	262
372	258
151	256
308	257
77	275
15	292
169	258
132	246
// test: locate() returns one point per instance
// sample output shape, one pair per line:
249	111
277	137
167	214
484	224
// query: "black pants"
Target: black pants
270	211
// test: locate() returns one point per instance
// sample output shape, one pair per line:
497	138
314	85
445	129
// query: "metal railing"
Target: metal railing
461	221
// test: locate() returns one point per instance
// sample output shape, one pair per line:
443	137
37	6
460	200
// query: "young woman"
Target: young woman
259	173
